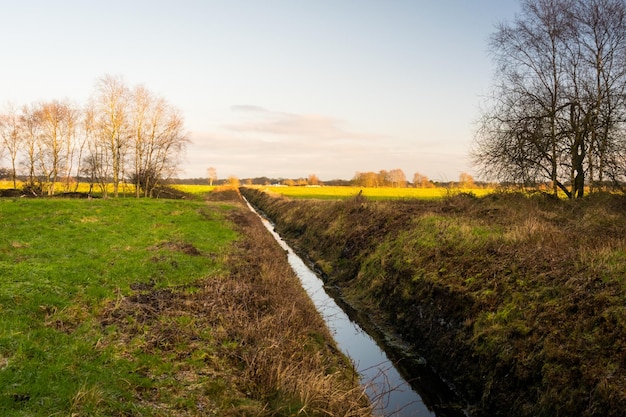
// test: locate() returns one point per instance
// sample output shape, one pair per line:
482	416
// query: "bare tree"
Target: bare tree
421	181
96	163
140	109
158	137
116	126
558	100
70	143
313	180
112	125
601	90
11	135
32	126
212	175
233	181
84	129
366	179
382	179
466	180
57	129
396	178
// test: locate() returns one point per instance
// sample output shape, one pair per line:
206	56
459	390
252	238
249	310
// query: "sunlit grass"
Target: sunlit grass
379	193
61	262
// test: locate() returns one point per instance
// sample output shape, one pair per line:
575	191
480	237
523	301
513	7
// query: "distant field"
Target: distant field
194	189
381	193
83	187
325	193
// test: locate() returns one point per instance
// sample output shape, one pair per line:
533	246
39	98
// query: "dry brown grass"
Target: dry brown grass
246	344
519	300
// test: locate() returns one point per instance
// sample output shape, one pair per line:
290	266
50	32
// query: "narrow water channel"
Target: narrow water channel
382	377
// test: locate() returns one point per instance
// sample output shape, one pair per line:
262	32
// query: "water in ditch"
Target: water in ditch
384	371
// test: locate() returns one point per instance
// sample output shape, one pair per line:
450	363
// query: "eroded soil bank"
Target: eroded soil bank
520	302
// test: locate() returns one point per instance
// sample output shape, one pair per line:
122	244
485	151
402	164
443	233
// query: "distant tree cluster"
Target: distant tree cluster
421	181
558	112
396	178
383	178
393	178
121	134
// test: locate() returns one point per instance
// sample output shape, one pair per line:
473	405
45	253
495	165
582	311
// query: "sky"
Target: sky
275	88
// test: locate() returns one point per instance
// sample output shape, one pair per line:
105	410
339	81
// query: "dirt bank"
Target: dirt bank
518	301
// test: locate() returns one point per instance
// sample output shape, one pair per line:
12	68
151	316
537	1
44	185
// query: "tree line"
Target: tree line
121	135
397	178
558	111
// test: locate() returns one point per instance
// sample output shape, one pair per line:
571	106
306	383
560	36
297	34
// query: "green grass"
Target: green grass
379	193
61	262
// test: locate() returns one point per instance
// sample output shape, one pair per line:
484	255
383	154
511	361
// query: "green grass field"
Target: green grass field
379	193
157	307
62	264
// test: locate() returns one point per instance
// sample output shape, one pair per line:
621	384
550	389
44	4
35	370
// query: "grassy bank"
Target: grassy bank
129	307
519	301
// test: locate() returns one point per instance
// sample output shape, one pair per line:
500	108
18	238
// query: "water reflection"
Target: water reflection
392	395
385	385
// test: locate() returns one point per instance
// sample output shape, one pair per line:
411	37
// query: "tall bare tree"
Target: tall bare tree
117	127
396	178
158	138
366	179
421	181
602	38
112	125
31	122
57	129
212	174
11	135
96	162
557	110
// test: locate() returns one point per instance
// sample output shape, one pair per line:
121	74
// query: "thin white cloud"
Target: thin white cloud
247	108
260	142
313	126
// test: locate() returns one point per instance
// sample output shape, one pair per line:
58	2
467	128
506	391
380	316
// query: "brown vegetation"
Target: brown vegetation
519	301
254	334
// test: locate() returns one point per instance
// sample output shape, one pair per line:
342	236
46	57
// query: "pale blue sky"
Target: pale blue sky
277	88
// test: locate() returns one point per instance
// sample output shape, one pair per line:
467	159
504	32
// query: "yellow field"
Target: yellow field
380	193
125	188
194	189
83	187
325	192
